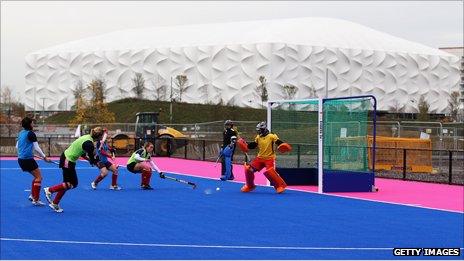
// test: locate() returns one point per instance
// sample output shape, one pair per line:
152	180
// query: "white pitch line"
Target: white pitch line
196	246
326	194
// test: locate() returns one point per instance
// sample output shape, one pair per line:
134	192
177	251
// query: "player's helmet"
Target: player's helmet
261	128
228	124
233	139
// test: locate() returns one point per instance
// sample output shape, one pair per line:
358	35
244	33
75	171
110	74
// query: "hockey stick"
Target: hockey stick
217	160
161	174
51	161
178	180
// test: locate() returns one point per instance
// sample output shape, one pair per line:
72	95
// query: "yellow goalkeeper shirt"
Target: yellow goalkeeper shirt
266	145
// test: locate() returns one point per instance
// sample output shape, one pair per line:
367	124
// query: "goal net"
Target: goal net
330	139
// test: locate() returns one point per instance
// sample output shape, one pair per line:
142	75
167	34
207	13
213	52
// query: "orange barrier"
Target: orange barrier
389	154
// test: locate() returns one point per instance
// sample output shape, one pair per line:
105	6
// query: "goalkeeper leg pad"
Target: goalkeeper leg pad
277	181
250	180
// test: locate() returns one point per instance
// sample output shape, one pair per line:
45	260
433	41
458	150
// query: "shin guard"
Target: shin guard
274	178
114	178
146	176
35	190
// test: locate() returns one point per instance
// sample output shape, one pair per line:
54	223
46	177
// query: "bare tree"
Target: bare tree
453	105
138	85
423	108
181	82
261	89
290	91
160	88
396	108
11	109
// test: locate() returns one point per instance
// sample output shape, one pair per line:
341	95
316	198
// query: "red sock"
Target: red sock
35	190
58	187
58	196
98	179
114	179
146	175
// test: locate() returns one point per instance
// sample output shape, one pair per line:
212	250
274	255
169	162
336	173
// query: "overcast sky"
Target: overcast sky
30	26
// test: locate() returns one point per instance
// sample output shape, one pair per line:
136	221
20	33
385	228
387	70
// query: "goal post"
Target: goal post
330	138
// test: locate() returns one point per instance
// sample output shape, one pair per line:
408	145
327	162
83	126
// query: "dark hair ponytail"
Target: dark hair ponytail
26	123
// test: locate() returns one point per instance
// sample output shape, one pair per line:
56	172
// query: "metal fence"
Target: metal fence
447	165
444	136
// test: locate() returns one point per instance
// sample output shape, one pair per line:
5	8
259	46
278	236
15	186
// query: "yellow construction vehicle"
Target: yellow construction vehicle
147	128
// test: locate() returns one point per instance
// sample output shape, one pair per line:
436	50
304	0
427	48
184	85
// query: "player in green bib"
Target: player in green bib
82	147
140	162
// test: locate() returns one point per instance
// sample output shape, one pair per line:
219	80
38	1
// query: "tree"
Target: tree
160	89
290	91
78	93
423	108
312	92
138	85
97	91
261	89
96	110
453	105
11	110
181	82
396	108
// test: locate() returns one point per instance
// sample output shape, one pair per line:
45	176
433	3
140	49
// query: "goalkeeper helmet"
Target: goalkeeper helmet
261	128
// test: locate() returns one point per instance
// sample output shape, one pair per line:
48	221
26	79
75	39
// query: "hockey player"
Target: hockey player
264	142
227	153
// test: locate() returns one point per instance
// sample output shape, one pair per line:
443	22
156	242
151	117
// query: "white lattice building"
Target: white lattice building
224	62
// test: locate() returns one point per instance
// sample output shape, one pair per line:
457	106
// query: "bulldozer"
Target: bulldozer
166	139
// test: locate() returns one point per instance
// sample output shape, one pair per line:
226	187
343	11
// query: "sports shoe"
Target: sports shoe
48	195
146	187
30	198
93	185
38	203
115	187
246	188
280	190
55	207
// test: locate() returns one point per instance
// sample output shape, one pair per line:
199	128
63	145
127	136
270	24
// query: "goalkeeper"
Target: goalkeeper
264	142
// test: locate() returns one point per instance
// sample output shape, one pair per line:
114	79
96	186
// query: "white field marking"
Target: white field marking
381	201
195	246
27	190
332	195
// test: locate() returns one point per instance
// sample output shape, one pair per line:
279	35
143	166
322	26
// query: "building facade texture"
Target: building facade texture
223	62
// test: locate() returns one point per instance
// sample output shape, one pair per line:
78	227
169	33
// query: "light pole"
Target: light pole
34	101
43	111
170	105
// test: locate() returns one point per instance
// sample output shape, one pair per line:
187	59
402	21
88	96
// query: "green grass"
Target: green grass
126	109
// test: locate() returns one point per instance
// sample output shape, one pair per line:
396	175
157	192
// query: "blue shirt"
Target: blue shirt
102	157
25	139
